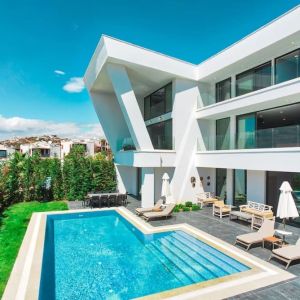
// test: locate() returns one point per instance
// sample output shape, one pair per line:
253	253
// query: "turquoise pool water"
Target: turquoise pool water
100	255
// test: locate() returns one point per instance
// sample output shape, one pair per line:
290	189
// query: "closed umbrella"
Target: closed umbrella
165	188
286	204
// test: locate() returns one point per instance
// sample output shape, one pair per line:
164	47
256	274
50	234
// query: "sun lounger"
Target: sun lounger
248	239
167	212
287	254
156	207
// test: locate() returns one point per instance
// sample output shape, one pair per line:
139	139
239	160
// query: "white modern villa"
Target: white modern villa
230	125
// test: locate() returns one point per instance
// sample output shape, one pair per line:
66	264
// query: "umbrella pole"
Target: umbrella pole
284	223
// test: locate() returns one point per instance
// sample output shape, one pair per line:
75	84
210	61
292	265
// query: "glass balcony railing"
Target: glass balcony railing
279	137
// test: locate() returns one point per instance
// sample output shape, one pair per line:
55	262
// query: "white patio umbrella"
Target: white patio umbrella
286	204
165	188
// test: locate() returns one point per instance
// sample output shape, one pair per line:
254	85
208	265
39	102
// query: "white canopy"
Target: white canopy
286	205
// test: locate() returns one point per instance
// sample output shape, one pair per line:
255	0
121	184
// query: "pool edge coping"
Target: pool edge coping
25	276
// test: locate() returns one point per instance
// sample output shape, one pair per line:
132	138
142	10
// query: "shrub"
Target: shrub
185	208
195	207
176	209
188	204
32	178
180	206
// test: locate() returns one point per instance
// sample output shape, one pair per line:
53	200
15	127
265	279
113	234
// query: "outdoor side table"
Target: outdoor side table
272	240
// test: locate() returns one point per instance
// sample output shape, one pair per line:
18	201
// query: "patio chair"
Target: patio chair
287	254
248	239
155	208
95	202
220	209
86	201
165	213
104	200
112	200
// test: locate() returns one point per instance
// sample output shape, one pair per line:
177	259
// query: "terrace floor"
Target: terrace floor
227	230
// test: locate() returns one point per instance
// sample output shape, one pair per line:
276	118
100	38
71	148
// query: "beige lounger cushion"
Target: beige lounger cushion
166	212
149	209
289	252
250	238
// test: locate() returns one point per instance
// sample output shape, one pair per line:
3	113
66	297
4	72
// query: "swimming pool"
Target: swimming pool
100	255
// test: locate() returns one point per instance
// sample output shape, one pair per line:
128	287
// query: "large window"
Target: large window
161	135
274	181
158	103
223	90
278	127
254	79
221	175
245	137
223	134
287	67
240	187
3	153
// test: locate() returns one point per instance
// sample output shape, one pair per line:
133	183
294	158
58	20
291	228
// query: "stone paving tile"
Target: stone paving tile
227	230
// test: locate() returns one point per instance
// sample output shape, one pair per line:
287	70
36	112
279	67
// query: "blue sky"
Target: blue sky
39	37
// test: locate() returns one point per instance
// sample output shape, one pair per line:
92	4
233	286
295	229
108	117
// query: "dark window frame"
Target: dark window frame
275	66
216	132
160	122
216	183
216	89
236	127
149	95
245	182
252	70
3	151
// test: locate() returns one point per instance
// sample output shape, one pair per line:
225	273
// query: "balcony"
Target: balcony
275	95
153	158
273	149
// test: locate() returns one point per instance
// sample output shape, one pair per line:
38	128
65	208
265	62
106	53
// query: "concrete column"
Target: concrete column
121	186
273	71
147	187
229	186
233	83
232	131
129	106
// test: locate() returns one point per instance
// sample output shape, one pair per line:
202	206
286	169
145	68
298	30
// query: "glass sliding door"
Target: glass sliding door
287	67
221	176
245	127
274	181
161	135
223	90
240	187
223	134
254	79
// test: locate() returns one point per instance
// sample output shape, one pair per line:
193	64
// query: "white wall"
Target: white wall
127	179
111	118
185	131
256	186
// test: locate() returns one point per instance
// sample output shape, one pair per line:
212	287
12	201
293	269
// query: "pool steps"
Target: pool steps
191	260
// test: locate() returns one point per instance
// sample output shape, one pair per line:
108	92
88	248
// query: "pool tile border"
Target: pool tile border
25	276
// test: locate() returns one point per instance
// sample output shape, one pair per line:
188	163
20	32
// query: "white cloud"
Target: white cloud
59	72
74	85
17	127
